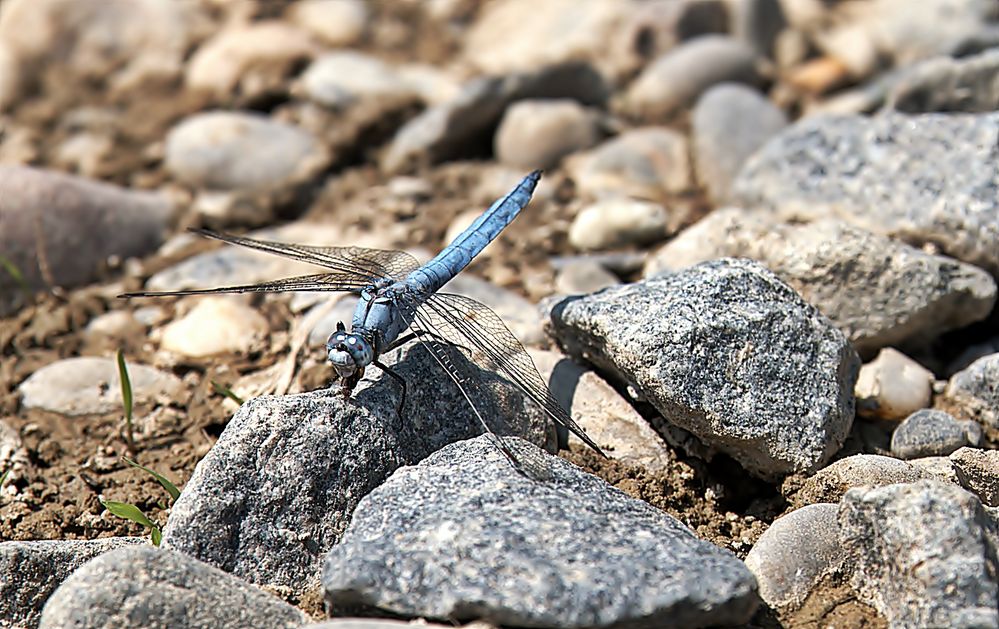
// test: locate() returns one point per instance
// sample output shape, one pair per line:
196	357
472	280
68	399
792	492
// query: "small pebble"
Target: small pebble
618	222
795	553
728	124
339	79
646	163
929	432
539	133
830	483
237	150
236	55
582	277
974	390
677	79
892	386
116	324
215	325
336	22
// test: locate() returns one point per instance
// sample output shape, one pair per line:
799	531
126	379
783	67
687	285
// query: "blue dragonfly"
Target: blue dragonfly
400	302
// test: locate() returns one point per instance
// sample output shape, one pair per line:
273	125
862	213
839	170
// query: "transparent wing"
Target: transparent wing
331	282
467	323
352	268
370	264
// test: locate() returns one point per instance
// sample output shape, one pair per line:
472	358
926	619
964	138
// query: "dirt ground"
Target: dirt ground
75	460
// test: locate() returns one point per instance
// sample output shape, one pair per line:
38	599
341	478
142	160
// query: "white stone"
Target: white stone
335	22
90	385
215	325
616	222
222	61
539	133
893	386
338	79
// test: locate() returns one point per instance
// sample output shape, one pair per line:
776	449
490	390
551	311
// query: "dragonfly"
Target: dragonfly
400	301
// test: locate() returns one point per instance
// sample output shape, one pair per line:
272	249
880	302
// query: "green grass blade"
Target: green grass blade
15	273
128	512
3	477
156	535
221	389
163	480
126	385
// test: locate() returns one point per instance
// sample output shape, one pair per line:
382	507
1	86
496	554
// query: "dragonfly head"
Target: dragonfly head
348	352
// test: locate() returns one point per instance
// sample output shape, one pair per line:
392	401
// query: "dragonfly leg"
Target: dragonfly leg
399	379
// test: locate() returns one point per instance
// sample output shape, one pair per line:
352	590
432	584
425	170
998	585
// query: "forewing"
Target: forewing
326	282
467	323
369	264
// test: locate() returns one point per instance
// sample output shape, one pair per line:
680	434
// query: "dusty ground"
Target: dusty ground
74	460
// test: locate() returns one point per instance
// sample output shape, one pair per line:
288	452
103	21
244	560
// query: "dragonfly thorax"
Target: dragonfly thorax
349	352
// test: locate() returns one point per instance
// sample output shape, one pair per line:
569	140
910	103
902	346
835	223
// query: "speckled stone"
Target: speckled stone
145	586
278	488
930	432
464	536
728	352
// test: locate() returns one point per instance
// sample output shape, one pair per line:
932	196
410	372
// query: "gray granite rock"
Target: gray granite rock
460	126
31	571
930	432
677	79
940	467
230	150
830	483
879	292
978	472
46	215
795	553
927	179
539	133
463	536
278	488
728	352
924	554
88	385
973	390
379	623
651	163
144	586
968	84
728	124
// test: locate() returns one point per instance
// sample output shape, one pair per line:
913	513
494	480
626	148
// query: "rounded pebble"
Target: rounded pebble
646	163
338	79
581	277
795	553
214	326
539	133
238	150
929	432
728	124
335	22
893	386
90	385
676	79
616	222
